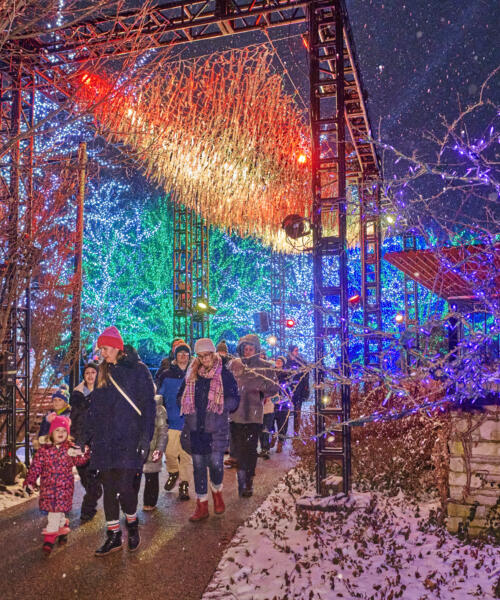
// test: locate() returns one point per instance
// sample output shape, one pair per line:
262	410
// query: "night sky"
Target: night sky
416	58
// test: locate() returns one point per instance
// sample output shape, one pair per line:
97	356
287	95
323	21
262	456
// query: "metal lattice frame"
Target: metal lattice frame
190	275
278	291
410	288
371	292
328	123
16	181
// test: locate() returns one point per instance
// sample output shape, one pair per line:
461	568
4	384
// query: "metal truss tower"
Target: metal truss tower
191	274
410	288
278	292
16	194
328	125
371	293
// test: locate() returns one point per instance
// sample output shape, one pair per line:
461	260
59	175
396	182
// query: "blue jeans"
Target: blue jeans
214	463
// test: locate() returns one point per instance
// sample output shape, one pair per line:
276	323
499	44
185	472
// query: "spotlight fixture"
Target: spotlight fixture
354	299
290	322
272	340
202	306
399	318
296	226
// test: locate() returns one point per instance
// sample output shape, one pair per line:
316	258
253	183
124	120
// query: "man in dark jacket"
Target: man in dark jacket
80	402
177	459
299	383
255	379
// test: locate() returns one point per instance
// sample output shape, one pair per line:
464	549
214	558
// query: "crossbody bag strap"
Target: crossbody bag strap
125	395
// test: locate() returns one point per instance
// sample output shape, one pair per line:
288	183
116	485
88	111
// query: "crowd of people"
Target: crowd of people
118	424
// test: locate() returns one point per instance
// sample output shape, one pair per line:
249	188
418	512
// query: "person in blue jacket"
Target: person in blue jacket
207	396
178	461
119	427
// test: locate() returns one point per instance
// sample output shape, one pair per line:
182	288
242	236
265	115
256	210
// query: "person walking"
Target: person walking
60	408
255	380
119	428
89	478
53	463
298	381
207	396
152	467
178	461
282	406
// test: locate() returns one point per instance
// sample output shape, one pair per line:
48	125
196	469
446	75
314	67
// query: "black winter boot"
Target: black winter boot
242	475
248	491
169	484
134	539
112	544
183	490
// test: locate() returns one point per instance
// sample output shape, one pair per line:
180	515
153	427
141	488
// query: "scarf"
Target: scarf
215	393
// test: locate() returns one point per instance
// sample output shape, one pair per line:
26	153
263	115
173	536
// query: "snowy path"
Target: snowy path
372	548
176	561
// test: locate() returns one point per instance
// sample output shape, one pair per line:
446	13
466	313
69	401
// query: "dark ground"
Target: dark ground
175	562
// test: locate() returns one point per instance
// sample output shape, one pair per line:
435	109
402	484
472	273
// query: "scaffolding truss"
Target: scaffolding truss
16	181
190	274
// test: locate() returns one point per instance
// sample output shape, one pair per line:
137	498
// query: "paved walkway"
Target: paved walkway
175	562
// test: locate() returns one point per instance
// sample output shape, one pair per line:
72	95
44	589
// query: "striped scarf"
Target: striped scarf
215	393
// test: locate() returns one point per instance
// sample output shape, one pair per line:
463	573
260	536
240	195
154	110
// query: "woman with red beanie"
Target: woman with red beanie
119	427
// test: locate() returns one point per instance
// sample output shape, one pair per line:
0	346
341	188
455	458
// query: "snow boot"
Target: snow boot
112	544
184	490
248	491
49	540
279	448
134	538
242	477
273	440
201	511
219	506
231	462
265	454
171	481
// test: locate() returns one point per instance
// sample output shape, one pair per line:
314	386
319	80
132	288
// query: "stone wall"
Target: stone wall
474	477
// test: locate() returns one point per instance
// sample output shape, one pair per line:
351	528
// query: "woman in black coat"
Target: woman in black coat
119	427
208	394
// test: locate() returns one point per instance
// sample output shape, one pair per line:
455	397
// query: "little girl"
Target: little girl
53	463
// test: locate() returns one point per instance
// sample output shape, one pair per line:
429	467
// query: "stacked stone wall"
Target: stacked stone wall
474	475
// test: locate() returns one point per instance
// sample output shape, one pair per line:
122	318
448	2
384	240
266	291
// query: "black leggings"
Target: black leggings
120	490
151	488
245	437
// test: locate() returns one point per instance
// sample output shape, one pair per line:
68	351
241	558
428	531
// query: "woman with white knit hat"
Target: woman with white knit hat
207	396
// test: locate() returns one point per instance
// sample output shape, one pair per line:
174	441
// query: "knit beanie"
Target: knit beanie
182	348
222	346
59	421
61	393
91	365
204	345
110	337
282	358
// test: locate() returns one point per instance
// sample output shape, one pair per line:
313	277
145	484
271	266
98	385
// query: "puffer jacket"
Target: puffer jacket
256	380
54	465
113	429
160	438
206	421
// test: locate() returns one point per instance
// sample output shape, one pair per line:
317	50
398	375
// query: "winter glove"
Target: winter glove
143	449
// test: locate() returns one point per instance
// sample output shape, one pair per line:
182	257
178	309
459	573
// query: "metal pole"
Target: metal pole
76	316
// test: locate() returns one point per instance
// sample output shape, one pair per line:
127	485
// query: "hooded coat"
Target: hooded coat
171	383
160	438
113	429
80	402
54	465
256	381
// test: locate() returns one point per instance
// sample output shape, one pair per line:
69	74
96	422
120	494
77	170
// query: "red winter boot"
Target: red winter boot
219	506
48	542
201	511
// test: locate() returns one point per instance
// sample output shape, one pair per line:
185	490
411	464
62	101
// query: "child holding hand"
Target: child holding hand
53	463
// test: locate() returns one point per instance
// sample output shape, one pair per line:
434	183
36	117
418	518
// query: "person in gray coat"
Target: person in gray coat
256	381
153	464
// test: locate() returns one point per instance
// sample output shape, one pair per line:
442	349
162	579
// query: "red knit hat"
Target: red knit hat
110	337
60	421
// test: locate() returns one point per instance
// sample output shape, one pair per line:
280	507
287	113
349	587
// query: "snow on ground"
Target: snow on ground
370	547
10	495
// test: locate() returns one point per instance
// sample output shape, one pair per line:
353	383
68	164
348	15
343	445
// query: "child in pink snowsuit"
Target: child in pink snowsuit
53	463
